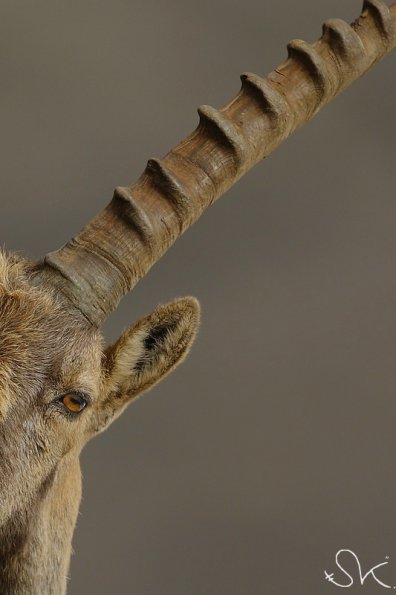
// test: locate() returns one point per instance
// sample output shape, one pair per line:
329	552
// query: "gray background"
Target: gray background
273	445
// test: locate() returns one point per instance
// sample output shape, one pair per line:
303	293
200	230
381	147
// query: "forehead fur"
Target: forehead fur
35	331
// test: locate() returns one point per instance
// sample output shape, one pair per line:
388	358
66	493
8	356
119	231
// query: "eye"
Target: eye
73	402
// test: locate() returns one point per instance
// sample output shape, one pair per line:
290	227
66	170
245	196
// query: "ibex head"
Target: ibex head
59	385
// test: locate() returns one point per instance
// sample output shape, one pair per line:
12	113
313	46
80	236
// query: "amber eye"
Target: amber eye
73	402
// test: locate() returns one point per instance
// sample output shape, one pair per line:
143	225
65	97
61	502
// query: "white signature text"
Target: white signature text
347	579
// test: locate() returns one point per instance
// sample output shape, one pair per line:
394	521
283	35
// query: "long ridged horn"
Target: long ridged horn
113	251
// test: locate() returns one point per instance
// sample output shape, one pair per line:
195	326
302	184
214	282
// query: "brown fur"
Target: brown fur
47	349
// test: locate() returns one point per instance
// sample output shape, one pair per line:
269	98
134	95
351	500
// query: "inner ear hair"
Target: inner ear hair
170	332
154	339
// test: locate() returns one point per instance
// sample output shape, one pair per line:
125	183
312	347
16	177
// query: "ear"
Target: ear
145	354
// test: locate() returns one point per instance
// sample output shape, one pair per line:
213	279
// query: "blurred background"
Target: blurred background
273	445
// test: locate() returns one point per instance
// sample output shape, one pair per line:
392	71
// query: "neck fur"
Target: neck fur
35	544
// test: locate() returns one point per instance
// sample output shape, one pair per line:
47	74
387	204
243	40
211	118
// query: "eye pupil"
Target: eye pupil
73	403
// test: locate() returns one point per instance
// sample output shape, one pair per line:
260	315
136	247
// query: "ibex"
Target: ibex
59	385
